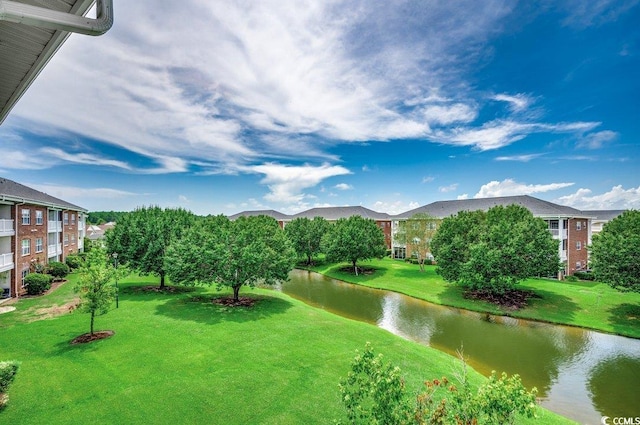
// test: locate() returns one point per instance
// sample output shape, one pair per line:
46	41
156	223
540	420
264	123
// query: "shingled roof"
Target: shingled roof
269	213
538	207
335	213
16	192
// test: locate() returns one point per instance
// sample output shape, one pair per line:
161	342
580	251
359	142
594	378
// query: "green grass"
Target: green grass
174	359
585	304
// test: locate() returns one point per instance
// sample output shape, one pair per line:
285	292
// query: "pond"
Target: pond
580	374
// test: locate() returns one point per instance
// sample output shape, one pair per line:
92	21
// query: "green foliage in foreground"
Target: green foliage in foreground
37	283
615	252
181	359
8	370
374	393
592	305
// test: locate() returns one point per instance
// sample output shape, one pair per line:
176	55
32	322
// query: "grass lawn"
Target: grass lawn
174	359
586	304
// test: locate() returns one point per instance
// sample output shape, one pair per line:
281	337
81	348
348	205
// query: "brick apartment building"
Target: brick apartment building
35	229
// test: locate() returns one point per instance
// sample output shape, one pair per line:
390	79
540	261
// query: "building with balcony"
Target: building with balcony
35	229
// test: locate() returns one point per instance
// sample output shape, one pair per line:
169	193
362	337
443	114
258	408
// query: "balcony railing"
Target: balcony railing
54	226
54	249
6	261
6	227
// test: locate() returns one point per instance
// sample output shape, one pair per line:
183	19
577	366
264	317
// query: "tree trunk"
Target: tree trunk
308	260
421	262
162	279
355	268
93	315
236	291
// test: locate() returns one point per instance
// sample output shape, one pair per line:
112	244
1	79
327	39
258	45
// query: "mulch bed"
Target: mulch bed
158	289
86	338
227	301
513	300
361	270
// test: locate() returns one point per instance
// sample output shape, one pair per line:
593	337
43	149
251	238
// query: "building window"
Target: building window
73	238
554	224
26	246
25	272
578	265
66	218
66	240
578	225
39	217
578	245
73	219
39	247
26	216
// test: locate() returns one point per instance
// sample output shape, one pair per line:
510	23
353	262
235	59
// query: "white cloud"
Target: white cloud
428	179
616	198
463	196
509	187
286	182
520	158
394	207
582	14
84	158
449	114
597	139
18	160
81	194
450	188
343	186
517	103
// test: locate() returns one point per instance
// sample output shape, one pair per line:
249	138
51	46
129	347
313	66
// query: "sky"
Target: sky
224	106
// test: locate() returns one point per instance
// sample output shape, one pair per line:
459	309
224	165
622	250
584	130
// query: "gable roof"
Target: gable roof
16	192
603	215
269	213
335	213
538	207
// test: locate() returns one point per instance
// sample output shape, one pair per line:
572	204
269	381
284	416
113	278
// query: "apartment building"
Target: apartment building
35	229
569	226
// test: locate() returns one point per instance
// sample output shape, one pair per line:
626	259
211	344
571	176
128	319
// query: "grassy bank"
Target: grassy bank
175	358
586	304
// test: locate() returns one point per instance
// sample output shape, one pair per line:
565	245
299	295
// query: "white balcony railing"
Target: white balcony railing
54	226
54	249
6	227
6	261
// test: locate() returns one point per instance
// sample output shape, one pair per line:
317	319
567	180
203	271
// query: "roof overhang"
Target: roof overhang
30	36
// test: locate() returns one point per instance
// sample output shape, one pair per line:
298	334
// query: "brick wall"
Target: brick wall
578	237
34	230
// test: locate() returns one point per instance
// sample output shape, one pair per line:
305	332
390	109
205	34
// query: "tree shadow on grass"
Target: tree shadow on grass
542	305
207	309
625	318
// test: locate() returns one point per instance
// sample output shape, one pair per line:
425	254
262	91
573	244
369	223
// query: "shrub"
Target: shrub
584	275
571	278
58	270
37	283
8	372
73	261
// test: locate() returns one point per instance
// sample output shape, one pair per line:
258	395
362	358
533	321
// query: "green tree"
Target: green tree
140	238
352	239
494	251
615	252
247	251
417	234
96	283
306	235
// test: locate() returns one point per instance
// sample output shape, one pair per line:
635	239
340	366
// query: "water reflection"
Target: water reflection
573	369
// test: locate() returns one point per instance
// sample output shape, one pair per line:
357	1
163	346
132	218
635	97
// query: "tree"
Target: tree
247	251
417	233
140	238
95	283
352	239
306	235
615	252
493	251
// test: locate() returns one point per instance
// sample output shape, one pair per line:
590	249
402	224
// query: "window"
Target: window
578	225
66	240
73	219
578	265
66	218
73	238
554	224
25	272
578	245
39	247
39	217
26	216
26	246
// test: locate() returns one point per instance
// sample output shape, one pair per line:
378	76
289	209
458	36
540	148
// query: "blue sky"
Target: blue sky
223	106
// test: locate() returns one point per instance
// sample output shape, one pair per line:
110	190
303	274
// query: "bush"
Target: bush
584	275
37	283
571	278
58	270
8	372
74	261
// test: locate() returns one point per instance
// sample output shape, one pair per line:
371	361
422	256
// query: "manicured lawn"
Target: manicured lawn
586	304
174	359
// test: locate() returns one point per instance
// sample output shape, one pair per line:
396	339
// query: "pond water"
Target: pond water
580	374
